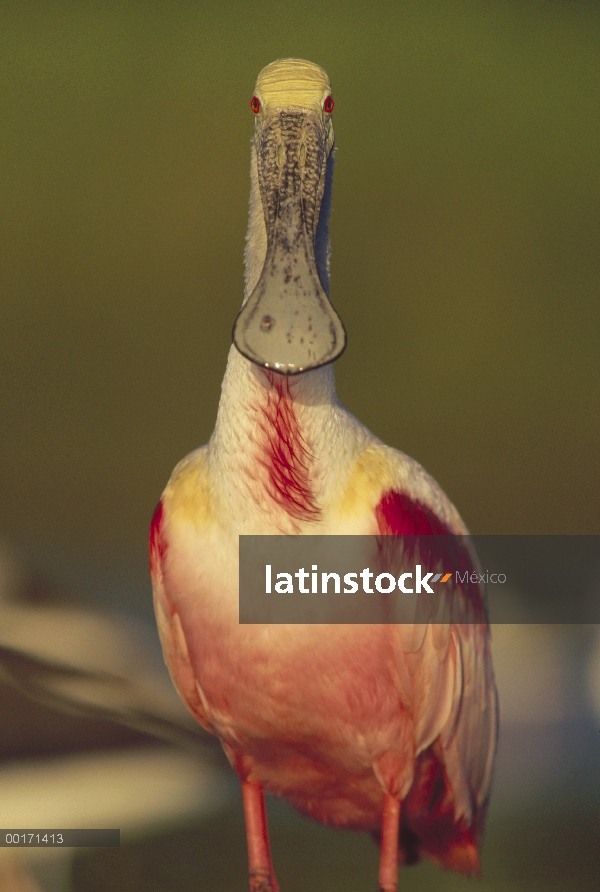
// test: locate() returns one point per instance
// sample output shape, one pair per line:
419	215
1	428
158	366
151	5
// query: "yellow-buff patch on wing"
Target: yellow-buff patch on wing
188	493
374	471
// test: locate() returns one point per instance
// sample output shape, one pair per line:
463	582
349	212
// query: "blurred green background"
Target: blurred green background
465	233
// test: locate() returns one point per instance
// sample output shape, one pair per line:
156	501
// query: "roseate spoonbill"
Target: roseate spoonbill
384	728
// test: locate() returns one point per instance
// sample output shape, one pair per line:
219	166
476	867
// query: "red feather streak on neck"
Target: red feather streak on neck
399	515
283	452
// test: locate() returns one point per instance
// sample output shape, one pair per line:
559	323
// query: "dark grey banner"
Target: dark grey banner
43	838
408	579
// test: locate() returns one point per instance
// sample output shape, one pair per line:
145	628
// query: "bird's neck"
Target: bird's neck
273	441
280	440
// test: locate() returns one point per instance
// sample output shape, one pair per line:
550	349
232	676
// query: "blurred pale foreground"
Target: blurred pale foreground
94	736
85	700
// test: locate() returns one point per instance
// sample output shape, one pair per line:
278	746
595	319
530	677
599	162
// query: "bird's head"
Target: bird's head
288	324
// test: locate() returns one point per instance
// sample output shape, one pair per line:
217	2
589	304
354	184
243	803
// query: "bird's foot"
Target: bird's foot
262	882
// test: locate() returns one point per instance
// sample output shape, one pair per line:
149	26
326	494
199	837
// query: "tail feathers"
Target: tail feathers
429	828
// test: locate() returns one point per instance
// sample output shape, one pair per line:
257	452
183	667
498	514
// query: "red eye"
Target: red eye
255	104
328	105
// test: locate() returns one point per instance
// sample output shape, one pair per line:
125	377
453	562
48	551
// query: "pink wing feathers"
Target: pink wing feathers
454	706
169	625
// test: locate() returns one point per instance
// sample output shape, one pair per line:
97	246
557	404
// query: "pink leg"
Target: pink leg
260	868
388	859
